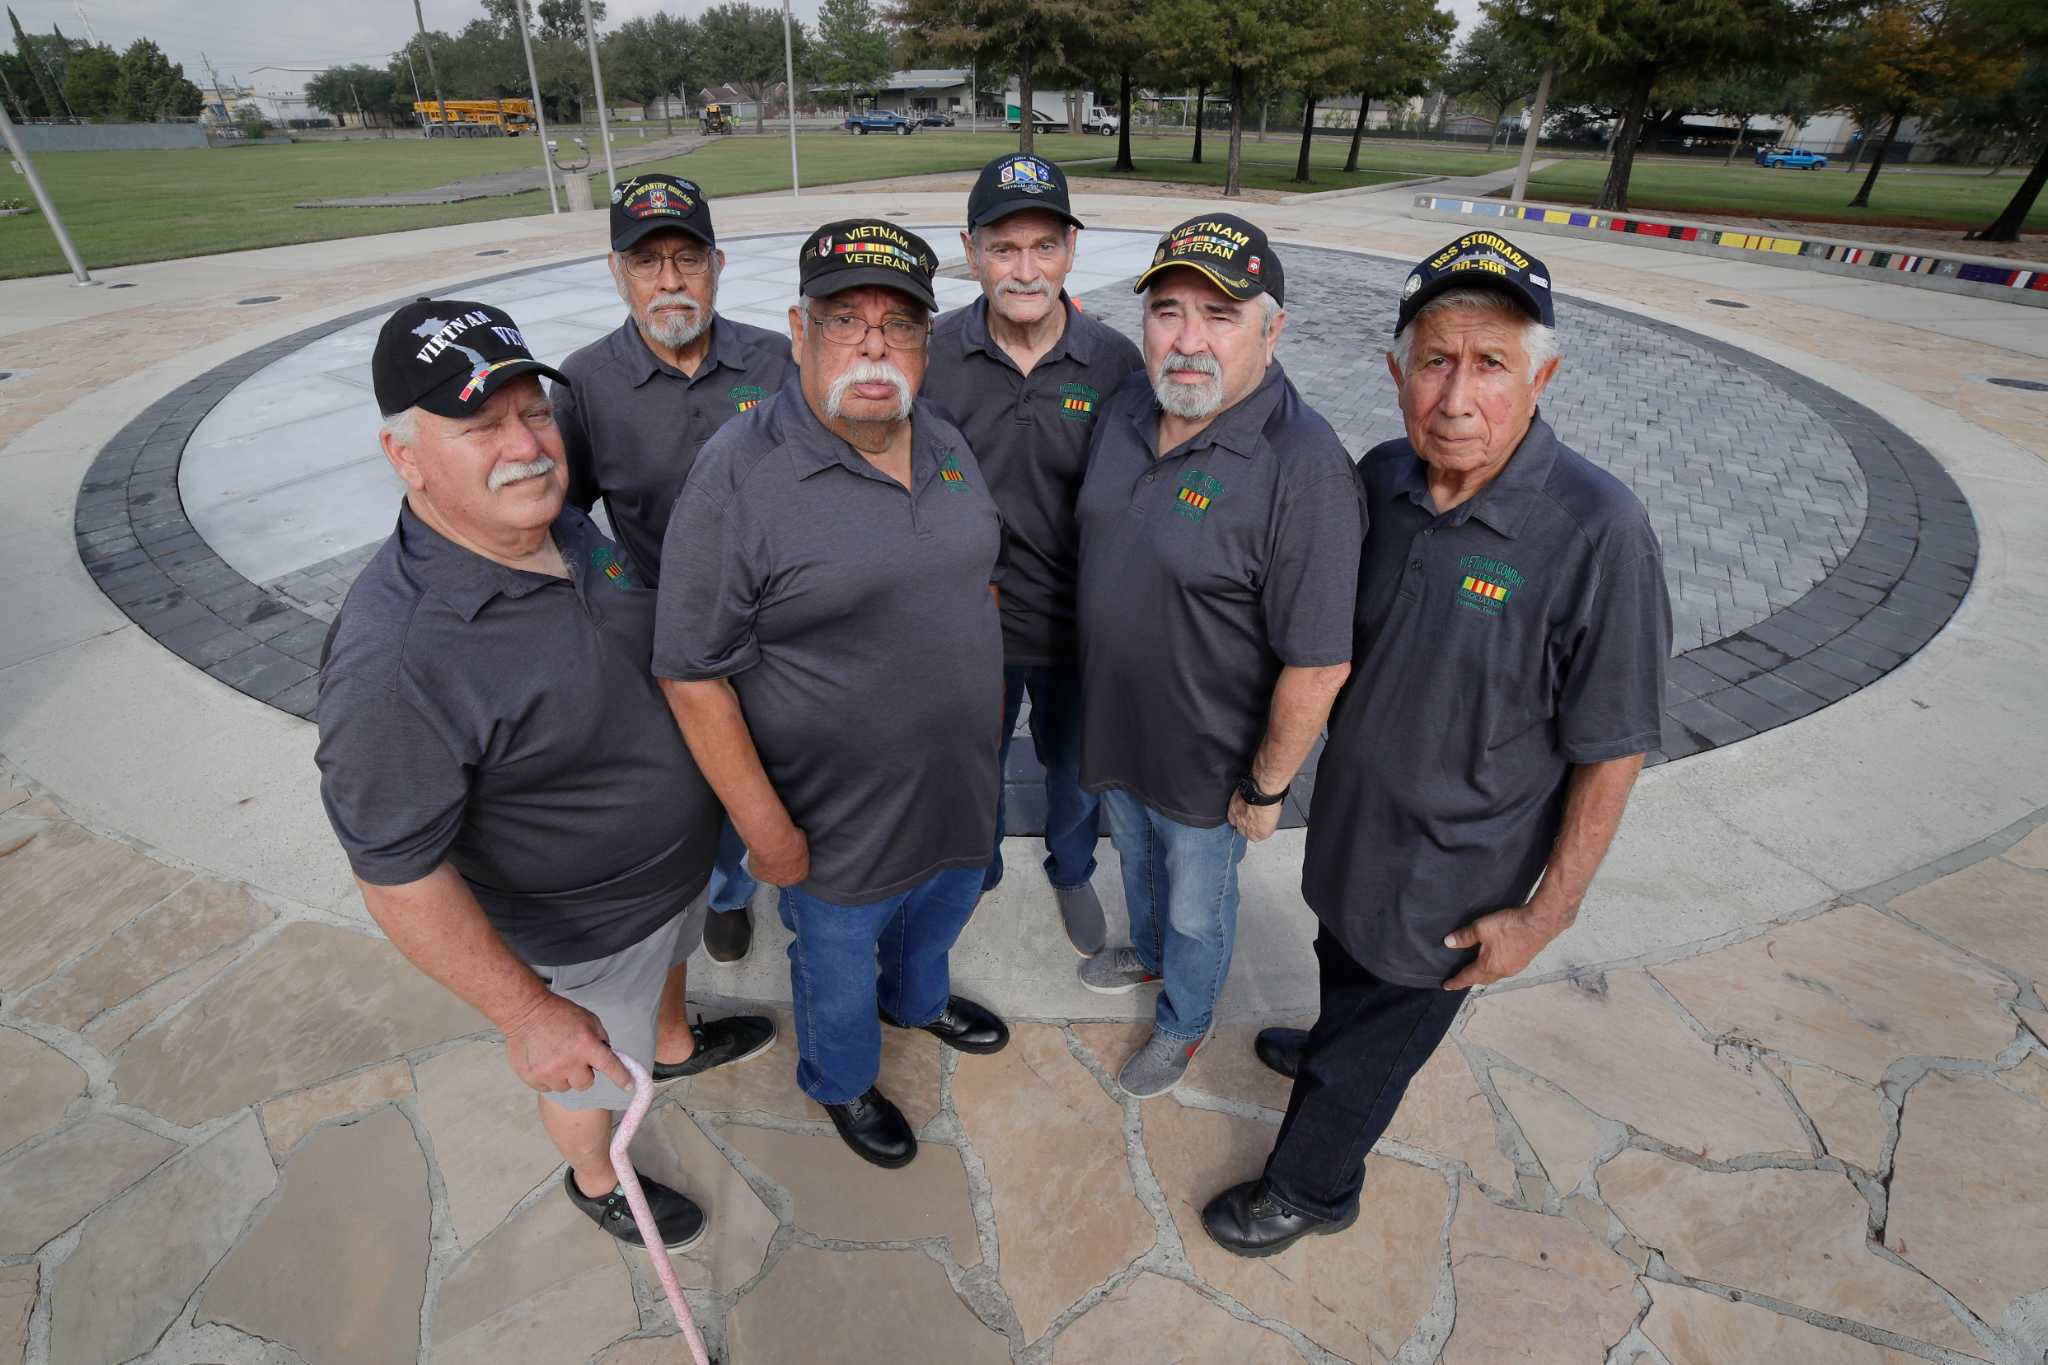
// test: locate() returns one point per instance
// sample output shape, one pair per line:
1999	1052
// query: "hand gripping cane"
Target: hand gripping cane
643	1217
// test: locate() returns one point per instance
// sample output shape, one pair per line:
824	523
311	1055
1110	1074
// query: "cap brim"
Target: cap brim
1250	290
462	396
996	212
869	277
646	227
1508	288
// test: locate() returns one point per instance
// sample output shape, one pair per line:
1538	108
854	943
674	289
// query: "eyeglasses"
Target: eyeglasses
646	265
847	329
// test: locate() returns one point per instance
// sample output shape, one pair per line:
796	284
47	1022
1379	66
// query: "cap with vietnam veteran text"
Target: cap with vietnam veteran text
1478	260
1234	255
646	204
866	251
1015	182
448	356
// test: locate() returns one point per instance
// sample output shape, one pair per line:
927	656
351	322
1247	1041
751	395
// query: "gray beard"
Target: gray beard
1188	402
677	330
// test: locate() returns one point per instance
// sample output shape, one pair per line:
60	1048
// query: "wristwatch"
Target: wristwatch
1249	790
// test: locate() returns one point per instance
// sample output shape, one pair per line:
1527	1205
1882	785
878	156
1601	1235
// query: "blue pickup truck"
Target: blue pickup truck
1777	158
879	121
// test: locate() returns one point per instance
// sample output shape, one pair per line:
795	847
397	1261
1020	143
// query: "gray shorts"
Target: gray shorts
624	992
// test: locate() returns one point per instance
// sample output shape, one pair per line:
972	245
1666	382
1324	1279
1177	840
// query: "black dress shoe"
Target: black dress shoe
676	1216
1280	1049
1248	1221
875	1129
729	933
721	1043
965	1027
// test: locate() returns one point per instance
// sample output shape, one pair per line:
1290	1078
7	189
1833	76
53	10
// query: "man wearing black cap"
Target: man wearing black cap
829	638
640	404
1024	374
496	758
1511	632
1220	526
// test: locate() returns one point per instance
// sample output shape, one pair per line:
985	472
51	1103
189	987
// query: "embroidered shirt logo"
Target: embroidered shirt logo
1486	585
744	396
950	473
1077	402
610	567
1196	493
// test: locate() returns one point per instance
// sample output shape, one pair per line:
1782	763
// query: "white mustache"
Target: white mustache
868	372
1198	364
513	473
1040	290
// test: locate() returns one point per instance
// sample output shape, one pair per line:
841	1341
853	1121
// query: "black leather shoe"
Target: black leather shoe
721	1043
1247	1220
875	1129
678	1219
965	1027
1280	1049
728	934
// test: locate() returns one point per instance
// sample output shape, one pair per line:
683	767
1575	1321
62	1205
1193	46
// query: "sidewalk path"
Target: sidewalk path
517	182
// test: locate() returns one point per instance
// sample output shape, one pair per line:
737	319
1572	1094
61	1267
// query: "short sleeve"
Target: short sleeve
1311	587
394	792
713	574
583	489
1612	701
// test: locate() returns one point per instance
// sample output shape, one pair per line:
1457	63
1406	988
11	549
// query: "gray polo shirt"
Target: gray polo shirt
1203	573
1498	644
633	424
506	723
1031	434
855	622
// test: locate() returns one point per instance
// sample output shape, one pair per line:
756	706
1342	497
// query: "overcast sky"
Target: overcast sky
304	33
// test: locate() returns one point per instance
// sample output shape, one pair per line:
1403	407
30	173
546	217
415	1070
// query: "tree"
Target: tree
1020	36
1254	42
854	47
150	86
1629	47
89	81
32	60
1744	95
653	59
742	45
1905	57
1497	68
341	90
2021	26
1400	56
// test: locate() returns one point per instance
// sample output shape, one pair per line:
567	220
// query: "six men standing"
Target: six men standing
844	562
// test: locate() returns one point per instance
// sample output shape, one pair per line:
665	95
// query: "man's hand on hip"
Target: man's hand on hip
559	1044
787	863
1255	823
1507	940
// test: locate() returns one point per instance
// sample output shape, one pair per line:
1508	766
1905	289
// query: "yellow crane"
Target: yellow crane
476	118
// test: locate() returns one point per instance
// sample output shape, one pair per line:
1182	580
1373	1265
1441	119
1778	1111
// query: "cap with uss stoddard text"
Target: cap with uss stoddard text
1015	182
1478	260
855	252
647	204
1234	255
448	356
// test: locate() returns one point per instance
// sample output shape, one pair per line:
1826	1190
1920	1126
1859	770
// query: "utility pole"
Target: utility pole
35	187
432	75
540	117
1535	131
604	123
789	94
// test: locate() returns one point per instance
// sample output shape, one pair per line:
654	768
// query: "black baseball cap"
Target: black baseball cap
448	356
1478	260
656	203
866	251
1234	256
1015	182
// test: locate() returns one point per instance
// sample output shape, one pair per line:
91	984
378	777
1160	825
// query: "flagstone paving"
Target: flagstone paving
1819	1142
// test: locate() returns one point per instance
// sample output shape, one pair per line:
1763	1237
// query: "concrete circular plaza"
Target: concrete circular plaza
1779	1096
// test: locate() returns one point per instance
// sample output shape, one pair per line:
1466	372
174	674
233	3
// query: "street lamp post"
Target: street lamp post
35	187
789	87
540	118
604	126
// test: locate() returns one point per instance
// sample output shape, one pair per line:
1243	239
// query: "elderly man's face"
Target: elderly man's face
670	281
1022	262
1468	398
850	371
498	471
1204	349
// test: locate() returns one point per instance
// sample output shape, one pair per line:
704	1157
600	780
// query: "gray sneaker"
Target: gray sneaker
1081	913
1116	972
1158	1066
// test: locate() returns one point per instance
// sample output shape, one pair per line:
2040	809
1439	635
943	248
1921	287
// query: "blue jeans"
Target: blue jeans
1071	815
1180	884
732	886
832	974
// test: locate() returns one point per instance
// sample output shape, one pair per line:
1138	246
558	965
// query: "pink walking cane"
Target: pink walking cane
643	1217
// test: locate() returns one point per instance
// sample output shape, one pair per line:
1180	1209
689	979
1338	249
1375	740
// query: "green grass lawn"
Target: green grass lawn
1899	200
127	207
